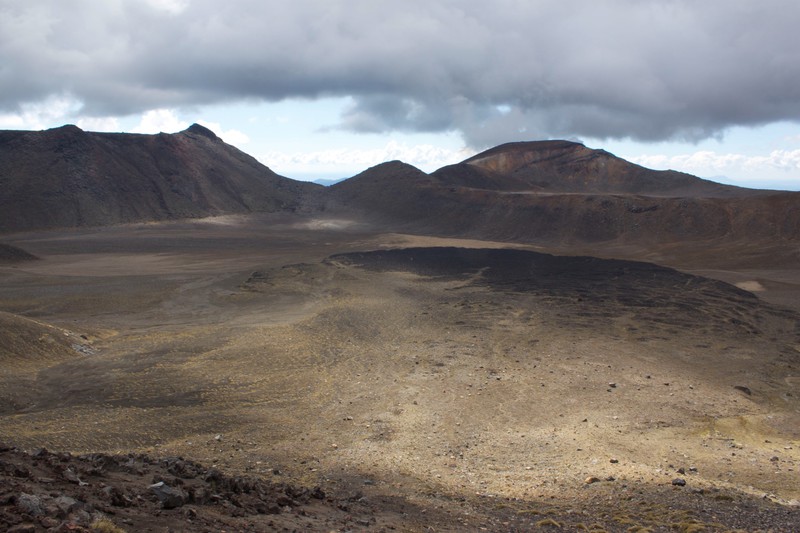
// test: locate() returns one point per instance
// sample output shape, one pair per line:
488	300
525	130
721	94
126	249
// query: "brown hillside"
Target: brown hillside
65	177
26	347
562	192
381	192
563	166
546	191
30	344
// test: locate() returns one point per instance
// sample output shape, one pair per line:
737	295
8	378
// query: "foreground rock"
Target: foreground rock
44	491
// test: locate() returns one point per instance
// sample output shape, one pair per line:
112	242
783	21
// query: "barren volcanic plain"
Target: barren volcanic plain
417	380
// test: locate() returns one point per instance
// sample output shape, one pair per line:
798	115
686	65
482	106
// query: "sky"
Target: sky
327	88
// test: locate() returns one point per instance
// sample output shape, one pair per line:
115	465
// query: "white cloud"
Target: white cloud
232	136
41	115
99	124
703	162
160	120
173	7
9	121
788	160
424	156
617	69
168	121
778	167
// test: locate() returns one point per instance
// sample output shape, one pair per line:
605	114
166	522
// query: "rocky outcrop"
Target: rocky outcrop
44	491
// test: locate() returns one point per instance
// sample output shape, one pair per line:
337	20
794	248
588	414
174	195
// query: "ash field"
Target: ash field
352	363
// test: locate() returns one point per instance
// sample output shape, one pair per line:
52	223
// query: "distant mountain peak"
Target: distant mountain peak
396	164
394	170
560	166
510	156
197	129
67	128
528	146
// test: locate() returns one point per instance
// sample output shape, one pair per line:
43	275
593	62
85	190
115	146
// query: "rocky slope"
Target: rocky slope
562	192
568	167
45	491
66	177
28	346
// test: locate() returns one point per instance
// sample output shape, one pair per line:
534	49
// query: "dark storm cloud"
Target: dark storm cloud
495	71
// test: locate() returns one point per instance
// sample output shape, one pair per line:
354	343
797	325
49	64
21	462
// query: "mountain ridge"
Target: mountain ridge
523	191
563	192
563	166
66	177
